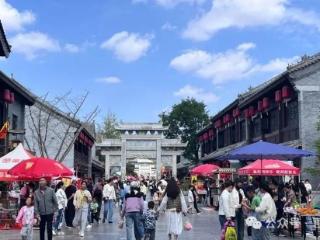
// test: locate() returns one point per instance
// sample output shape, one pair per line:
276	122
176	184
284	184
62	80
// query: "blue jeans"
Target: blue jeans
108	210
134	220
222	221
59	219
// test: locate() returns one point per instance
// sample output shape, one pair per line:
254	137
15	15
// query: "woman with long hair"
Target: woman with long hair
174	204
132	211
62	203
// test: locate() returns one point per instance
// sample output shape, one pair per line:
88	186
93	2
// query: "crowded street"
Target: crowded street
160	120
205	227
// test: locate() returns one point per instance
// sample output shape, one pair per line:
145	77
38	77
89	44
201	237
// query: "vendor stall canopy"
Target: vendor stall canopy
10	160
269	167
266	150
204	169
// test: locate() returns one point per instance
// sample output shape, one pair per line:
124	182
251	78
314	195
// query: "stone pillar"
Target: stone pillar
107	166
158	159
123	158
174	166
247	130
90	163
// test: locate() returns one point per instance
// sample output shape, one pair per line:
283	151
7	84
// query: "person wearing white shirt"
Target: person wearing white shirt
267	211
62	203
109	197
225	203
308	186
190	199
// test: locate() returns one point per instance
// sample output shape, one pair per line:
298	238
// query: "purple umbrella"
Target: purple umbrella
266	150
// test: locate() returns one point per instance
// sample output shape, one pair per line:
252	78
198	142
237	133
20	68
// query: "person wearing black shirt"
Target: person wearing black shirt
70	209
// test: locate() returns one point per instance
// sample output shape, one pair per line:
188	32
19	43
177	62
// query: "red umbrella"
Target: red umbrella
269	167
38	167
204	169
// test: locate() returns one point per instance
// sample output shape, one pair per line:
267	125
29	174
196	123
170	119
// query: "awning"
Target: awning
269	167
11	159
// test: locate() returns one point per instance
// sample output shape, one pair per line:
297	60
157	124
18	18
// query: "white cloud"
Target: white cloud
168	27
197	93
128	47
72	48
12	19
33	44
109	80
247	13
231	65
171	3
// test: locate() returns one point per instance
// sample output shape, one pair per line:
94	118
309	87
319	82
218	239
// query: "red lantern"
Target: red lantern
218	124
260	106
236	112
246	113
265	103
12	98
252	111
226	118
6	95
286	93
278	96
205	136
211	133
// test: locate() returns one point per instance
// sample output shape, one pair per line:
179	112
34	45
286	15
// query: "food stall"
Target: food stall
219	176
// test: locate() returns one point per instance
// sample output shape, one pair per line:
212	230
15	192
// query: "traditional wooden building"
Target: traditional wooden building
284	110
13	99
5	48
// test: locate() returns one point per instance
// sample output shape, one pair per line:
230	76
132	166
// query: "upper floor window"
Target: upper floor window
14	122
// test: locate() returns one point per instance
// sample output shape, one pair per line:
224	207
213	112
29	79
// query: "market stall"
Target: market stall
9	200
219	176
267	152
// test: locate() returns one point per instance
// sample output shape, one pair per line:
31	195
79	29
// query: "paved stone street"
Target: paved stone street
205	227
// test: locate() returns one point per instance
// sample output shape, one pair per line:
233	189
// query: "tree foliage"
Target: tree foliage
109	128
184	121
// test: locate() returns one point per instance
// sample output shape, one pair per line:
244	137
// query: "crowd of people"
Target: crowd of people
83	203
264	200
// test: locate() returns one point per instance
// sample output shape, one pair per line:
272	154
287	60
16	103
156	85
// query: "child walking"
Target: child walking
150	219
94	211
26	219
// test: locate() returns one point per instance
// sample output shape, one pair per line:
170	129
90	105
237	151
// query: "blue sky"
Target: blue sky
139	57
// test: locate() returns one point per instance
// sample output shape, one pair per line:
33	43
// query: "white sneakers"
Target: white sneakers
81	234
89	226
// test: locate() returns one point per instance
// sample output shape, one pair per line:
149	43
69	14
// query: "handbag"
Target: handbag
120	224
187	225
229	231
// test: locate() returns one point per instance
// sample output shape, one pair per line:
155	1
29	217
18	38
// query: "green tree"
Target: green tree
315	171
109	128
184	121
